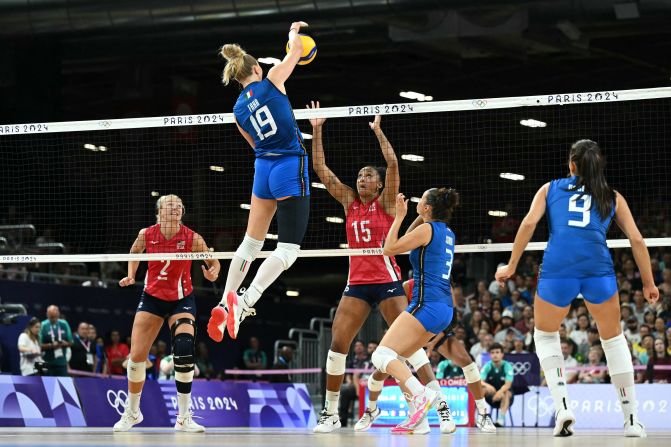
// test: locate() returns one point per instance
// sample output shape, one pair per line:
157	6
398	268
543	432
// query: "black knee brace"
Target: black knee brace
292	219
183	346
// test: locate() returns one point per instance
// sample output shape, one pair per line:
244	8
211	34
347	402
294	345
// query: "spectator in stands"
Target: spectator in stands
486	340
598	372
592	339
83	350
371	347
625	297
254	357
116	352
29	347
203	361
55	338
523	326
579	334
649	318
625	314
639	306
92	336
473	326
567	349
497	379
350	388
458	295
646	349
660	357
94	281
518	346
506	327
632	275
521	288
631	333
665	285
284	359
162	348
448	370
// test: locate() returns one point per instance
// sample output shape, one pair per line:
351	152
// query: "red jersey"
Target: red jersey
411	285
168	280
367	227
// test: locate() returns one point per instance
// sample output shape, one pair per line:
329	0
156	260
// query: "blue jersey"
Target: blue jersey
264	112
431	266
577	245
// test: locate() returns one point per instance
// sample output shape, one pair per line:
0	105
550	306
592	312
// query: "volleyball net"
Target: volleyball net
80	191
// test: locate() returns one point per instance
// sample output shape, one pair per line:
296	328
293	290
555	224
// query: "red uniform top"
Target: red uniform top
411	285
367	227
168	280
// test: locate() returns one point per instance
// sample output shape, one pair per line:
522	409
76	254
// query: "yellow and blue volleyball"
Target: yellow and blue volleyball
309	49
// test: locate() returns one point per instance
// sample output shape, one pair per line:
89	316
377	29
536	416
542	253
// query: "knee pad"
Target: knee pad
292	219
418	359
183	348
184	377
335	363
136	371
249	249
471	373
618	356
382	356
287	253
548	349
375	385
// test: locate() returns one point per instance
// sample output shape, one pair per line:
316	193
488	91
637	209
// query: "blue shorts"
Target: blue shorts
281	176
374	293
561	292
435	316
166	309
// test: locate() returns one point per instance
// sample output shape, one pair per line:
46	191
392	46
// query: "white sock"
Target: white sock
372	405
268	272
435	386
236	274
134	401
482	406
621	371
414	385
548	349
331	402
183	402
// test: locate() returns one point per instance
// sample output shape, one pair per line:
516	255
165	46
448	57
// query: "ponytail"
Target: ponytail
590	164
443	201
239	64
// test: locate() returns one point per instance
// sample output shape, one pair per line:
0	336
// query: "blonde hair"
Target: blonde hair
161	200
239	64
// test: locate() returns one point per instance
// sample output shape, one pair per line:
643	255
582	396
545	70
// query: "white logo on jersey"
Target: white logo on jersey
153	242
391	290
187	308
372	207
181	245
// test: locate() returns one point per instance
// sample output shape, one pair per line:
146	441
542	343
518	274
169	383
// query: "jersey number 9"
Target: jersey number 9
573	207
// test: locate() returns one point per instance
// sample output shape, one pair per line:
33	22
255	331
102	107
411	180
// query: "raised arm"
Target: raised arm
341	192
210	273
524	234
281	72
138	247
392	181
625	221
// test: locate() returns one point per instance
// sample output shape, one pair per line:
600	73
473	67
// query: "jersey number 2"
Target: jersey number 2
163	275
573	207
263	118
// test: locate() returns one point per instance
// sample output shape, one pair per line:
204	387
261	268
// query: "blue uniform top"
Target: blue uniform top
577	245
265	113
432	264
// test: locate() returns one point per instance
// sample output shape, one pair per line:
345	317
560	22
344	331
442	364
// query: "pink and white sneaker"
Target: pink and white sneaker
237	312
217	323
422	403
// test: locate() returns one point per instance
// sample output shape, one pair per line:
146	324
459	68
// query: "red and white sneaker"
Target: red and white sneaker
215	327
237	312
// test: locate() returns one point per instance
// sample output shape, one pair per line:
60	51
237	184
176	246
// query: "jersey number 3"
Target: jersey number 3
263	118
573	207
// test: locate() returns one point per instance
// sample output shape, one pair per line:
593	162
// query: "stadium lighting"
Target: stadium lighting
415	95
306	136
333	219
497	213
511	176
269	60
293	293
245	206
415	199
155	194
217	168
94	148
318	185
412	157
344	246
533	123
271	236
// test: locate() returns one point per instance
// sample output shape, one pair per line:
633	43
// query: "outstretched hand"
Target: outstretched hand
316	122
375	125
127	281
401	206
212	273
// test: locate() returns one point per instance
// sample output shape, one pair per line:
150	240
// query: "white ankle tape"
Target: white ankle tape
136	371
418	359
336	363
375	385
618	356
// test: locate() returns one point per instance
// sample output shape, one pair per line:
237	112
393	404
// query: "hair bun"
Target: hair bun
448	197
232	51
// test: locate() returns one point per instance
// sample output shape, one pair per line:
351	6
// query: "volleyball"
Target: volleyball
309	49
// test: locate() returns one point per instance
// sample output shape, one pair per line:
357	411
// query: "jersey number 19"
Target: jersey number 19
263	118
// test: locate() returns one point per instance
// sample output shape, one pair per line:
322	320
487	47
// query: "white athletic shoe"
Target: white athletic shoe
405	428
484	422
367	419
237	312
187	424
564	421
447	424
216	326
634	429
128	420
327	422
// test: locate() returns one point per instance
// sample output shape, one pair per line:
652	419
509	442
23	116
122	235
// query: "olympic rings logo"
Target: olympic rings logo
543	406
521	368
117	400
479	103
